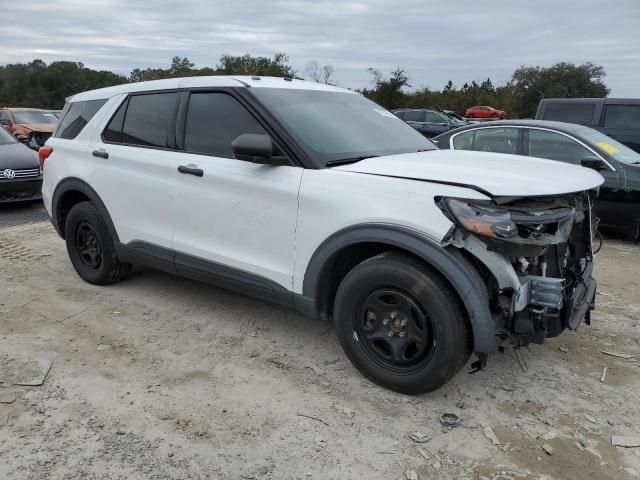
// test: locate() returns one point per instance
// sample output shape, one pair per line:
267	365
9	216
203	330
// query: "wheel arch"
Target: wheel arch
348	247
71	191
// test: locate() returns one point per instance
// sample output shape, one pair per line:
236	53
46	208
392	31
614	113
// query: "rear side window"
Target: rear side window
434	117
147	120
622	117
413	116
214	120
113	132
76	116
497	140
578	112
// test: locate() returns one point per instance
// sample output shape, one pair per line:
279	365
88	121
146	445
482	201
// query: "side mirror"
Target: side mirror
253	147
594	163
22	138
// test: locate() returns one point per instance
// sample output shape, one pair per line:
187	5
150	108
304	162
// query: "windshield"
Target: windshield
611	147
6	137
27	117
455	116
340	126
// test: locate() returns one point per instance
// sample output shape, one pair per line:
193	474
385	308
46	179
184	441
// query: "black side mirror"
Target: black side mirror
594	163
253	147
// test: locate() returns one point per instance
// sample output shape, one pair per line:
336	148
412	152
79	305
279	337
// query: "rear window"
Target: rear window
622	117
76	116
578	112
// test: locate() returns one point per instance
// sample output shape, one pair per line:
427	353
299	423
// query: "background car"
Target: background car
453	115
35	124
484	112
20	177
618	204
428	122
618	118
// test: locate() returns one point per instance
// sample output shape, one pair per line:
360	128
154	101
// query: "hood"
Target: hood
17	156
496	173
38	127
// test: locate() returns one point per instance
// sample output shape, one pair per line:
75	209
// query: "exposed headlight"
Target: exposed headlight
531	226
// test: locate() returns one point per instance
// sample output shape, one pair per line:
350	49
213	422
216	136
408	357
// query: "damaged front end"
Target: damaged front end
37	139
535	256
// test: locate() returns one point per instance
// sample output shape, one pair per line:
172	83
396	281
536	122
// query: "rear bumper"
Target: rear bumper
20	190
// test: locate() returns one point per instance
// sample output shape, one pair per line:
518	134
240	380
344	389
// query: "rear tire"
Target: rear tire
430	339
91	248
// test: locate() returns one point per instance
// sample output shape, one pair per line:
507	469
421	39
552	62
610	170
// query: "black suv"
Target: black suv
428	122
618	118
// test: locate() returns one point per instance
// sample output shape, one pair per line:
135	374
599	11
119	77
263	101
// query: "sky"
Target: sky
434	41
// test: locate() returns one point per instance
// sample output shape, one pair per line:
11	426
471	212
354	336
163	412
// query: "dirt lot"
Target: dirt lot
159	377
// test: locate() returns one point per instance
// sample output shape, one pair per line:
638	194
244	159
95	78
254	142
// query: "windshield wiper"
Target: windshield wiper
346	161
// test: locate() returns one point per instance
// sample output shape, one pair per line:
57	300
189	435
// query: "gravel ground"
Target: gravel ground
162	378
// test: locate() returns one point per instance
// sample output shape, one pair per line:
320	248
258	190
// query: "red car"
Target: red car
484	112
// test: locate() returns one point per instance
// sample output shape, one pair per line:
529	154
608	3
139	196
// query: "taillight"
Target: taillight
43	154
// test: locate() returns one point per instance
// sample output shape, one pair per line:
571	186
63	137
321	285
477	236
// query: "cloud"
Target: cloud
433	40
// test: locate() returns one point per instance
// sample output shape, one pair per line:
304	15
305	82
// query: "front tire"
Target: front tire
401	324
91	248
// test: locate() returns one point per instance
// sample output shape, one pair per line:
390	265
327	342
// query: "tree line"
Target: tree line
39	85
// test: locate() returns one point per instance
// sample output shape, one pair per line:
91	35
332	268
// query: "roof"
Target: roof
559	126
21	109
632	101
207	81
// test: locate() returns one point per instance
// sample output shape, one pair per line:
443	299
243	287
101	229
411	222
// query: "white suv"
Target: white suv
314	197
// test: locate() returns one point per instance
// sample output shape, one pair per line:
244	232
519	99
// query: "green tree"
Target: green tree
39	85
388	91
278	66
562	80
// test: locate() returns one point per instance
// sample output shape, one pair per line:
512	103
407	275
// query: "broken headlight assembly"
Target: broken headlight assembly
523	225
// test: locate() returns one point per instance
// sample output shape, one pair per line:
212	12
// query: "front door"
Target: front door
234	219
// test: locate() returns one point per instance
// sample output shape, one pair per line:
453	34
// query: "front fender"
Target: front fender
460	274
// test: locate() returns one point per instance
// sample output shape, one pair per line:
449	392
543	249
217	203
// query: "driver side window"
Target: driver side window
214	121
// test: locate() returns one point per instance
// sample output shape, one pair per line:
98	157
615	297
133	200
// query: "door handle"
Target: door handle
100	153
191	170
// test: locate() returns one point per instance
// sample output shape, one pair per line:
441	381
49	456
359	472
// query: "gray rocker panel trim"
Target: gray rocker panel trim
459	274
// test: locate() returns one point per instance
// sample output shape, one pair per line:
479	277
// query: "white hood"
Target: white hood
496	173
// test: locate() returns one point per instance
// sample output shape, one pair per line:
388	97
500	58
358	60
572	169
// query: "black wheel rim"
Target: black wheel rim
88	245
394	331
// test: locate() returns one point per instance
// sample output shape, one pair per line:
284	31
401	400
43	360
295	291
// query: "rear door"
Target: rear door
131	169
622	122
235	220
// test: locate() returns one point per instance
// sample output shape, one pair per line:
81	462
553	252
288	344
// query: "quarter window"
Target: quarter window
148	118
554	146
76	117
214	121
622	117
